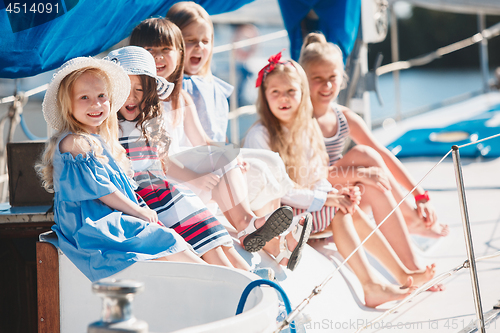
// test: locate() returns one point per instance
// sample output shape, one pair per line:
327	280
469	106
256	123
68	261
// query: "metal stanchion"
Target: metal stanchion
468	238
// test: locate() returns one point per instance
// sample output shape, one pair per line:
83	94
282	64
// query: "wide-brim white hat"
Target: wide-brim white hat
118	79
137	61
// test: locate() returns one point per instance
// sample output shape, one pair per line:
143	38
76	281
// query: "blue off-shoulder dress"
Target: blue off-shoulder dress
101	241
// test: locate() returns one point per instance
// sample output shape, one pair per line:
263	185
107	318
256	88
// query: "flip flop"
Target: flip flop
276	222
301	235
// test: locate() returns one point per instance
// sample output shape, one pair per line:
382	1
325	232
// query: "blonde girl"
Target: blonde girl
368	164
287	127
99	223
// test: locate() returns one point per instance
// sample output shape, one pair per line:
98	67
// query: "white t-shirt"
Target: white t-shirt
179	140
311	199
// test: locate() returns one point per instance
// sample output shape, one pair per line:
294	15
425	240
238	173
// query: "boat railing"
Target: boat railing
469	263
482	37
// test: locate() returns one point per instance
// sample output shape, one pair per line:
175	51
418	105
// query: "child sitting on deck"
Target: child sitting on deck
286	126
100	224
369	163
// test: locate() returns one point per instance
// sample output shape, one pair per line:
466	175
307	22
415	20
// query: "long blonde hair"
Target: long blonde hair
290	143
316	49
183	14
108	130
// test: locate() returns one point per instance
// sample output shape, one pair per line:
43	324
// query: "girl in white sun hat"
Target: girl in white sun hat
100	224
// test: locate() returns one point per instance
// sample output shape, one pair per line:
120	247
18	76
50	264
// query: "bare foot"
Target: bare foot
421	277
435	231
437	287
376	293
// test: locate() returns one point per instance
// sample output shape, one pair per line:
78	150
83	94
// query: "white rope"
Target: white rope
320	287
489	33
250	41
25	94
424	287
478	141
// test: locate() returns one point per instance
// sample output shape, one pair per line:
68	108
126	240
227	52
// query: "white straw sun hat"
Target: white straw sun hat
118	79
137	61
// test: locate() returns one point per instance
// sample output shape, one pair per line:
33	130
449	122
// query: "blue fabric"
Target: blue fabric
101	241
318	201
338	20
210	98
33	43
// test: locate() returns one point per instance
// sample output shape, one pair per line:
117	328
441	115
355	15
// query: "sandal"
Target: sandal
276	222
301	235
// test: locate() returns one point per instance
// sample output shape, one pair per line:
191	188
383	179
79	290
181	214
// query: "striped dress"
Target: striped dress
335	144
176	205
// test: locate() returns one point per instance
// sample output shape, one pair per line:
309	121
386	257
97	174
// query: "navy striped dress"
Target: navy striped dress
176	205
335	144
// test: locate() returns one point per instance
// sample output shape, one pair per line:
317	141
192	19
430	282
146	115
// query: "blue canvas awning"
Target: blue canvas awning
338	20
34	41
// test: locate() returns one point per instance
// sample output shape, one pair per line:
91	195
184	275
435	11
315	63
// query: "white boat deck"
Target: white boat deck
340	306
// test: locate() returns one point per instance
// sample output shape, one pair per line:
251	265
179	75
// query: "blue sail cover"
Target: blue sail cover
38	36
338	20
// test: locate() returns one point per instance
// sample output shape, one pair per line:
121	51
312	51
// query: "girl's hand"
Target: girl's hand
340	201
426	213
148	215
353	193
374	176
242	164
206	182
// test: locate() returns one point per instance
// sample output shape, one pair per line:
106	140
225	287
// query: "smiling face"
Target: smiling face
283	95
198	40
90	104
325	79
130	110
166	59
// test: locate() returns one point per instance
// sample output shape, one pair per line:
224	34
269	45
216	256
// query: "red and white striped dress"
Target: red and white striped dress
176	205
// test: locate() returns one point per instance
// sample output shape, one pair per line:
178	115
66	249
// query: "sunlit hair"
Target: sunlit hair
316	49
108	130
150	121
183	14
291	143
160	32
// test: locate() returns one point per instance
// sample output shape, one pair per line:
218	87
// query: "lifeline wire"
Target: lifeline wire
426	286
478	141
320	287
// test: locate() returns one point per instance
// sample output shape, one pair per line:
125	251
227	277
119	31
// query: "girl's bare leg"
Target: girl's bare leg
347	240
378	246
394	228
184	256
367	157
234	257
217	256
230	195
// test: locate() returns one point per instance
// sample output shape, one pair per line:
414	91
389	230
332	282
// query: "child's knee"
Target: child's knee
367	154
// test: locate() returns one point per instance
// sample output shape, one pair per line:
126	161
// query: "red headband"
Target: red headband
273	61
